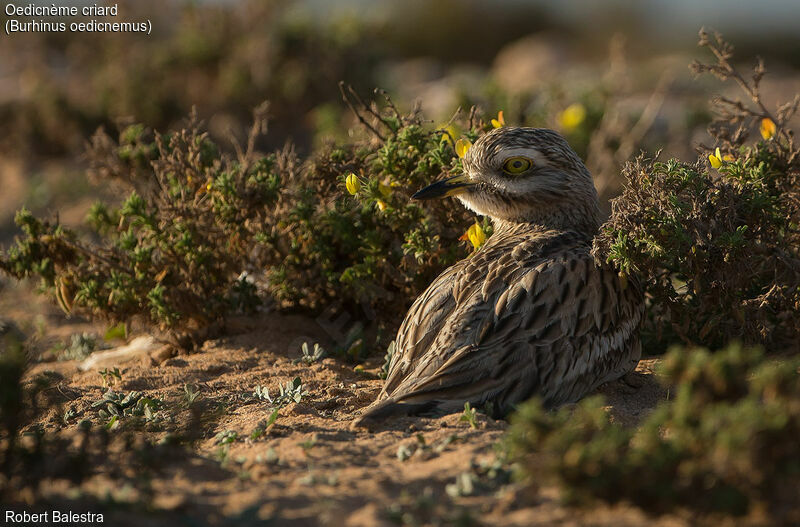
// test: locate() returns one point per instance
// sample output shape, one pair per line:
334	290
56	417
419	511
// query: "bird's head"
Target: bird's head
524	175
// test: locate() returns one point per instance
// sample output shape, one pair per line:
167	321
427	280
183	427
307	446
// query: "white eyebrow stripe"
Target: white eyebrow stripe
533	154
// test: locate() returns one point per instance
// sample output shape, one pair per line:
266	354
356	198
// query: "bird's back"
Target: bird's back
530	313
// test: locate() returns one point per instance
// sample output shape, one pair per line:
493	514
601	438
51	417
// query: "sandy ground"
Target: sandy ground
309	467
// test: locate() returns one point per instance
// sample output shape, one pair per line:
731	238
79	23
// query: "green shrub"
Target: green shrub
726	441
719	248
173	253
718	240
375	248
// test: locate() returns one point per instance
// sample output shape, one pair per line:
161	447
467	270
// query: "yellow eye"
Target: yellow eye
516	165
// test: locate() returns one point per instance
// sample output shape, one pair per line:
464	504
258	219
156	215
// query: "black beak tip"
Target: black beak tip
434	190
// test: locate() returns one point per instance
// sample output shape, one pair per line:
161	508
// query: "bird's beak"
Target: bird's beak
446	187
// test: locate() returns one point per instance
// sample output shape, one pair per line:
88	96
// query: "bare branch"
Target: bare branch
349	92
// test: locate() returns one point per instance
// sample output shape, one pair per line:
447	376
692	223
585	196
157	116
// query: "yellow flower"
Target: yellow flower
450	133
500	121
352	183
572	116
715	159
208	187
462	145
768	128
476	235
381	205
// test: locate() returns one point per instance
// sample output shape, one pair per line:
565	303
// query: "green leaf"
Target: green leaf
273	417
112	423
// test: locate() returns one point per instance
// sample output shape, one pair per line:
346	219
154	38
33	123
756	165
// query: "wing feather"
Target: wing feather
420	327
556	324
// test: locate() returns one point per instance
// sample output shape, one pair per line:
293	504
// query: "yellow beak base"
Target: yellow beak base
446	187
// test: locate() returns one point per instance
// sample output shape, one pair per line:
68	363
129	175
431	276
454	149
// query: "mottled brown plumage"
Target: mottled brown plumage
531	312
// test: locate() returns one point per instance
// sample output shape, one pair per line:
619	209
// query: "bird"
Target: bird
532	312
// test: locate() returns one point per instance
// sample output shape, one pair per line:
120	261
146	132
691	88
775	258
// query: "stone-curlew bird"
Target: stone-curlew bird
532	312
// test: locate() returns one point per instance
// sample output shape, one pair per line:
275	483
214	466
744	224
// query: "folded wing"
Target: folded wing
508	324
